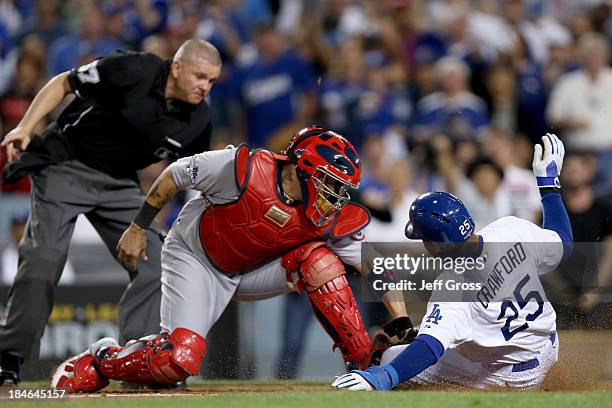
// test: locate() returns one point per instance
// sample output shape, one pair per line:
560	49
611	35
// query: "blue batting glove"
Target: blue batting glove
375	378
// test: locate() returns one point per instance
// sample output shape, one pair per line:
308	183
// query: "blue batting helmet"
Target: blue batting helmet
439	217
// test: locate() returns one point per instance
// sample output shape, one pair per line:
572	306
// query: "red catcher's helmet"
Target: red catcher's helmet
328	167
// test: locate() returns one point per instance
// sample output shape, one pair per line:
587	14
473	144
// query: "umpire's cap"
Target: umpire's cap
439	217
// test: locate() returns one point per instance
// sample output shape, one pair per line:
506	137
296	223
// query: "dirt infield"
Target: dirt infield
585	362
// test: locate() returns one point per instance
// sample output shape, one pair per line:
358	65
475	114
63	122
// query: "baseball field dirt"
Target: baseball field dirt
581	379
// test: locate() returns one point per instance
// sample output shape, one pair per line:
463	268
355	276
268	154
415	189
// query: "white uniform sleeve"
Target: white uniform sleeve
348	249
547	248
212	173
449	322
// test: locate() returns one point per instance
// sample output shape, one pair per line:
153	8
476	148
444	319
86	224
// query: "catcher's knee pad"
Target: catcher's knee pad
315	264
159	359
323	276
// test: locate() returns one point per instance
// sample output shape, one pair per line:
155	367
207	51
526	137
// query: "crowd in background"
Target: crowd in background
436	95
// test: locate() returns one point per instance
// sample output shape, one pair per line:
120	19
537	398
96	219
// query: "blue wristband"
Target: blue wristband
548	182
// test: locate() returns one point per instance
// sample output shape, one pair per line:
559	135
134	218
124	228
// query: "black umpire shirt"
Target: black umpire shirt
120	121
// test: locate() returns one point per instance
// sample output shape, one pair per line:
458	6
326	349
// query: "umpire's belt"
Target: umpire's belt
528	365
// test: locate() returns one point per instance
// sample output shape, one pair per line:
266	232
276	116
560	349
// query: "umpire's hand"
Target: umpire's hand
131	246
16	141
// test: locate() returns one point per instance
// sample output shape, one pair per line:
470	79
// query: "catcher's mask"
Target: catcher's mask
328	166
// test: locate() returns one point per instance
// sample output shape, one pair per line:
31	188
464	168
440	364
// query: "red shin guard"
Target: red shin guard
337	311
323	276
162	359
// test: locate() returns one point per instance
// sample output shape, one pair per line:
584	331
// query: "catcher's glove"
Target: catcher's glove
396	332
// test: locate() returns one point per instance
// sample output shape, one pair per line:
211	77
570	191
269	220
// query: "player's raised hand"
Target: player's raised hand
15	141
131	246
548	161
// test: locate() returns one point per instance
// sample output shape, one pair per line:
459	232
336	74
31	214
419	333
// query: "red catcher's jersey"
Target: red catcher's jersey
259	226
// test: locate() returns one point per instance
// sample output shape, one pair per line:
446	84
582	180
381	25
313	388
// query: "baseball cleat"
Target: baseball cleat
10	367
78	373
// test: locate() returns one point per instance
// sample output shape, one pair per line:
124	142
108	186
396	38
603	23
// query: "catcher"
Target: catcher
263	224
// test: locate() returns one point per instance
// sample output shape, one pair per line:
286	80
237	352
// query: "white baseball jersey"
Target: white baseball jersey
508	320
213	174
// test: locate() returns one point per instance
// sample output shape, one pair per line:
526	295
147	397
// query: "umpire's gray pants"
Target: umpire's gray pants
59	194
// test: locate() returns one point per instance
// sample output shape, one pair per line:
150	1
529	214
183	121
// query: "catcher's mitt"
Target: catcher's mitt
396	332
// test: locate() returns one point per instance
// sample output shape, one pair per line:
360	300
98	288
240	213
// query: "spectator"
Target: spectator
254	13
220	26
453	110
340	92
479	33
45	22
531	92
538	30
342	21
33	47
501	85
401	195
158	45
481	189
424	79
8	56
587	274
276	91
114	25
524	196
373	190
591	221
581	103
76	49
12	14
382	105
14	104
145	18
183	21
560	62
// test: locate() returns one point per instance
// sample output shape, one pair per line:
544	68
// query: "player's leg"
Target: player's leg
455	370
530	375
264	282
548	357
323	276
139	305
194	293
194	296
42	255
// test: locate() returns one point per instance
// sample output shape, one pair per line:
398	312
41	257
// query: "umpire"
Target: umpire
131	110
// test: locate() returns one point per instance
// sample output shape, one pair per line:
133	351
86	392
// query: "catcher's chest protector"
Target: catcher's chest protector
259	226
